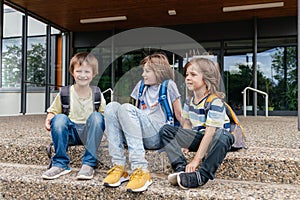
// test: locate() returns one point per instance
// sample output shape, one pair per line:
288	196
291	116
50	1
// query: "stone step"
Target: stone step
275	165
273	154
20	181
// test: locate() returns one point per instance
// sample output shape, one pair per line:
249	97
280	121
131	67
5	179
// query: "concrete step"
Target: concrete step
20	181
273	154
275	165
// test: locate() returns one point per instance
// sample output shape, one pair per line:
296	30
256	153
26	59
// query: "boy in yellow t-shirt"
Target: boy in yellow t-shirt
83	125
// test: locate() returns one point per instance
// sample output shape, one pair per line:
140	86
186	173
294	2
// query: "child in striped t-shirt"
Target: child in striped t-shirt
202	130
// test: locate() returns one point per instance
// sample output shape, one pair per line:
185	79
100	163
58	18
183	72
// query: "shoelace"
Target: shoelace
136	174
114	169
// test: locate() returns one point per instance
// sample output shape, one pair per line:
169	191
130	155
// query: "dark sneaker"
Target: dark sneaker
172	178
189	180
55	172
86	173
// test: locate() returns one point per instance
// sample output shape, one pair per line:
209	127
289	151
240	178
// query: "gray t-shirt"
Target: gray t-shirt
150	97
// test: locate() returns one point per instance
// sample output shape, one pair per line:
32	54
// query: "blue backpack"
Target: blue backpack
163	100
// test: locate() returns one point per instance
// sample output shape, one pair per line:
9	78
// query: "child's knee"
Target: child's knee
111	108
97	118
126	110
59	121
166	131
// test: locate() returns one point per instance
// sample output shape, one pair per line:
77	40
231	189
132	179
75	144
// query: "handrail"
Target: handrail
111	93
245	97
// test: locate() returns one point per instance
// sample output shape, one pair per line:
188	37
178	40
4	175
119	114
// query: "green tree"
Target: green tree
12	62
284	64
36	62
12	66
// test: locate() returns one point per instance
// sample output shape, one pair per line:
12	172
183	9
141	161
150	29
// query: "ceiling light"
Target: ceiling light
103	19
253	6
172	12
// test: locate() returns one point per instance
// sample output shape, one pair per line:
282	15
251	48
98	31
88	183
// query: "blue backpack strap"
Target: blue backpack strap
96	97
65	99
141	90
163	100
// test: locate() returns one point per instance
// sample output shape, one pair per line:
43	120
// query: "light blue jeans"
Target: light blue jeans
64	132
127	124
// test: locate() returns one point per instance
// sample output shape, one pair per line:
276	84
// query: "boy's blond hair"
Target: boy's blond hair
159	64
84	57
211	74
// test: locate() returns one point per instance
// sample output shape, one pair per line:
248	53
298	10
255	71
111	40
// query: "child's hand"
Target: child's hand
185	150
192	166
47	121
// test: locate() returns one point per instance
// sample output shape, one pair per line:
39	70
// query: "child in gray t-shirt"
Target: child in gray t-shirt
139	126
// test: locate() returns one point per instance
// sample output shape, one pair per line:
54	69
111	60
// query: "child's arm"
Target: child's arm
186	123
50	115
201	152
178	110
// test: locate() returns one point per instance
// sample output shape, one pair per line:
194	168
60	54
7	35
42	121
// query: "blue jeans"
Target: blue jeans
64	132
175	138
127	124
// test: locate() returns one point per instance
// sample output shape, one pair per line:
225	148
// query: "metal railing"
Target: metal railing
111	93
245	98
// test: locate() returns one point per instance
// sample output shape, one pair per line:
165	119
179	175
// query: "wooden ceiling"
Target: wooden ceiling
142	13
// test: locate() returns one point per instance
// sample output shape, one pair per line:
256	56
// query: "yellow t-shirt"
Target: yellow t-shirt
80	108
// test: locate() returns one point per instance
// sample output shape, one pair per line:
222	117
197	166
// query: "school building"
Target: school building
255	43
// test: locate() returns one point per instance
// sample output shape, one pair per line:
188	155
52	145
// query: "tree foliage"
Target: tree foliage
12	66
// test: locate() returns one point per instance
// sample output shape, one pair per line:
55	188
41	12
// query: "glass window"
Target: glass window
11	48
11	16
237	76
36	27
279	77
36	61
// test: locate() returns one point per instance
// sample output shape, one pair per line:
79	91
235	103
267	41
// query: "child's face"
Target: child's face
83	74
149	76
194	79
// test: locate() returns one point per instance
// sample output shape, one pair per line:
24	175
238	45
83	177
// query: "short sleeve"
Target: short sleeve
216	114
55	107
135	91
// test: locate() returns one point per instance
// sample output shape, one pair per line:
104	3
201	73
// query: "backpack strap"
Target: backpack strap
65	99
163	100
208	102
229	112
141	91
96	97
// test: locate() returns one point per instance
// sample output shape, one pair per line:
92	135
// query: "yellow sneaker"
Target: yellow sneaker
116	176
139	181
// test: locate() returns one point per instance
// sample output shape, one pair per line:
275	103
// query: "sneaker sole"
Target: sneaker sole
178	181
84	177
142	189
57	175
172	178
122	179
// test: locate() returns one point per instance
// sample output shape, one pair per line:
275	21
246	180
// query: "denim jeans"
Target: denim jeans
127	124
64	132
175	138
